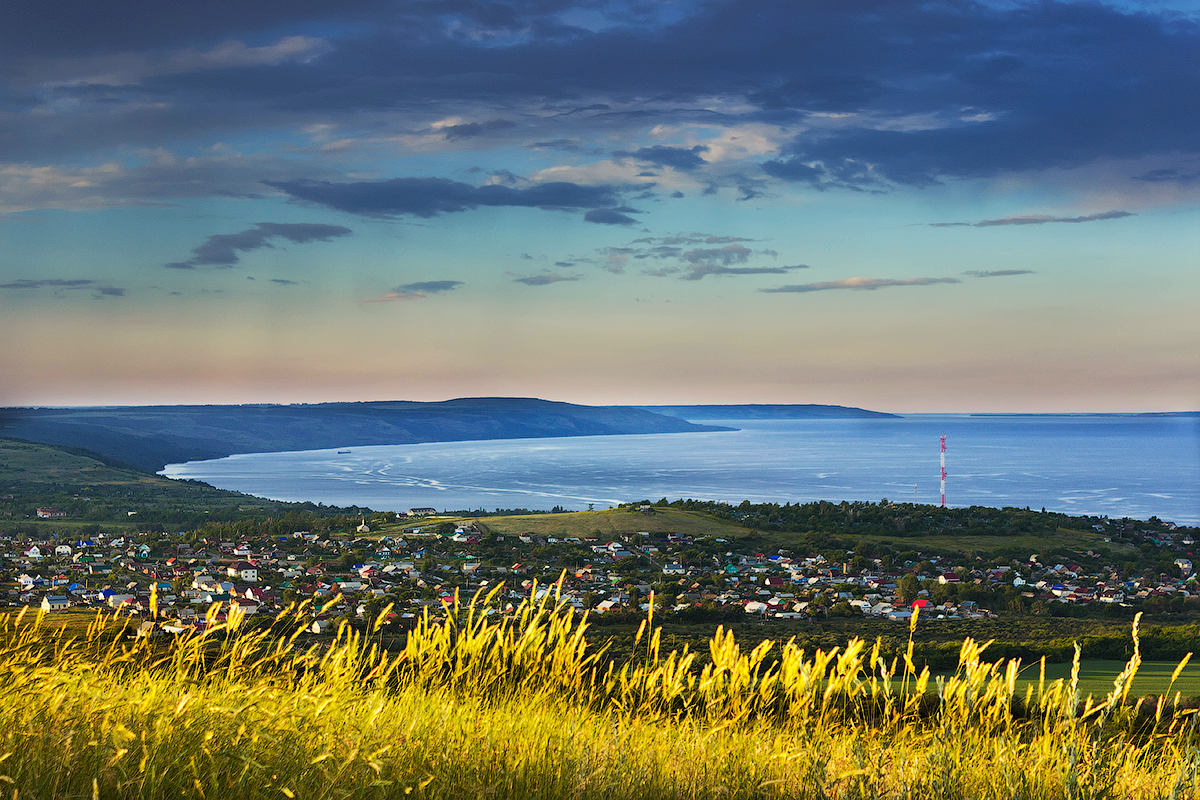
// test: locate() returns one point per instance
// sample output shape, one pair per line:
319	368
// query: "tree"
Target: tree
908	588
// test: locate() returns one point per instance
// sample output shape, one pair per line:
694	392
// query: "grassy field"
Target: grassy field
612	522
521	707
1096	677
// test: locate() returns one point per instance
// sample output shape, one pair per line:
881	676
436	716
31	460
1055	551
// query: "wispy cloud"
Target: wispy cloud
430	287
609	216
60	285
859	284
222	250
997	273
545	279
415	291
1034	219
702	270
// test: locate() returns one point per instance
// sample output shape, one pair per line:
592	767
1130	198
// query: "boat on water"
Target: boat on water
343	452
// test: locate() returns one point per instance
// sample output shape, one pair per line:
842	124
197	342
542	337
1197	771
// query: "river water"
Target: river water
1115	465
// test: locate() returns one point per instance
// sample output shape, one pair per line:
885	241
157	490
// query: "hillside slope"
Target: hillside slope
150	437
767	411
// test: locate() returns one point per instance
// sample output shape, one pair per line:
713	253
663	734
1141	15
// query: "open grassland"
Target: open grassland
518	706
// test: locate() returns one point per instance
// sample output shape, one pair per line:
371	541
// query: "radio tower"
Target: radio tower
943	470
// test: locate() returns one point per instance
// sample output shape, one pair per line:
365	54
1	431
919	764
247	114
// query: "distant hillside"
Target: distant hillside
768	411
150	437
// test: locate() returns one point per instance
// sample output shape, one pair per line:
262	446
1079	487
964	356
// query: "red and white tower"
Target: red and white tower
943	470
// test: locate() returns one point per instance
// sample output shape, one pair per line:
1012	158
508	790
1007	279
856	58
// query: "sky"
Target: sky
937	206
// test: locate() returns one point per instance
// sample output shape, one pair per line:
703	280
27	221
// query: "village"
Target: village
407	563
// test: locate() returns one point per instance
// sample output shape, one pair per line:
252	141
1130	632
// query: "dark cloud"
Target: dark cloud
608	216
997	273
471	130
222	250
430	197
544	279
1168	175
1033	219
858	284
684	159
883	93
430	287
285	282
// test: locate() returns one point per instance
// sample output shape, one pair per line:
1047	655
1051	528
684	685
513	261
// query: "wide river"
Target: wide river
1120	466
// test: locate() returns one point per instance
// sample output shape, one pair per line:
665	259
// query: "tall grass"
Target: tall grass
519	705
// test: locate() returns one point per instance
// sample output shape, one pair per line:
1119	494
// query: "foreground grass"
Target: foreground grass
518	707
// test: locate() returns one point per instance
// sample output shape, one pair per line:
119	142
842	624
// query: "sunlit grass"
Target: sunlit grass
519	706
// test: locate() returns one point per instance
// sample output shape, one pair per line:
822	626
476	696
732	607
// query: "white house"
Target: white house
63	550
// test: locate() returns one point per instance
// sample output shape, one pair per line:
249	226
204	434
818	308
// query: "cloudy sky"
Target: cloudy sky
943	206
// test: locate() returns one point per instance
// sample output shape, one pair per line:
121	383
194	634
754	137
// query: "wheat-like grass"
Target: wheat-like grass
518	706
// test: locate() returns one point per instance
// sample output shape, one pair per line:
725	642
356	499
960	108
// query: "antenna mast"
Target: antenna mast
943	470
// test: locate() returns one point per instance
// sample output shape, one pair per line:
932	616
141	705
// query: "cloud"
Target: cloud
997	273
545	279
222	250
684	159
471	130
867	95
57	283
430	287
702	270
859	284
729	254
1168	175
1033	219
431	197
285	282
608	216
60	285
418	290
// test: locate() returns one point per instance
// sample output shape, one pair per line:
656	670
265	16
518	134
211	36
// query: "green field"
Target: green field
1096	677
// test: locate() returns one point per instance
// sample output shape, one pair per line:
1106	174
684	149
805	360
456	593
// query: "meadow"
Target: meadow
497	702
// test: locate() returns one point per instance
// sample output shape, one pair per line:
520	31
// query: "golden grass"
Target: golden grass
519	707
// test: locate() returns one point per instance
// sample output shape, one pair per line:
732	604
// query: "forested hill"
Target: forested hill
759	411
150	437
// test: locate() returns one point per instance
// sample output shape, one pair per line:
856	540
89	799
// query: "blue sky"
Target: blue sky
947	206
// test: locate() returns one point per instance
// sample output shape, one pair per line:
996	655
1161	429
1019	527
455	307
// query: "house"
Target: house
422	512
243	570
673	568
54	602
63	550
50	513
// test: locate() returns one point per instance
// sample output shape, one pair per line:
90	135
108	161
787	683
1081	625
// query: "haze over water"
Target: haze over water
1114	465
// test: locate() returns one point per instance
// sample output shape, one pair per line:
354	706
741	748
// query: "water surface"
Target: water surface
1081	464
